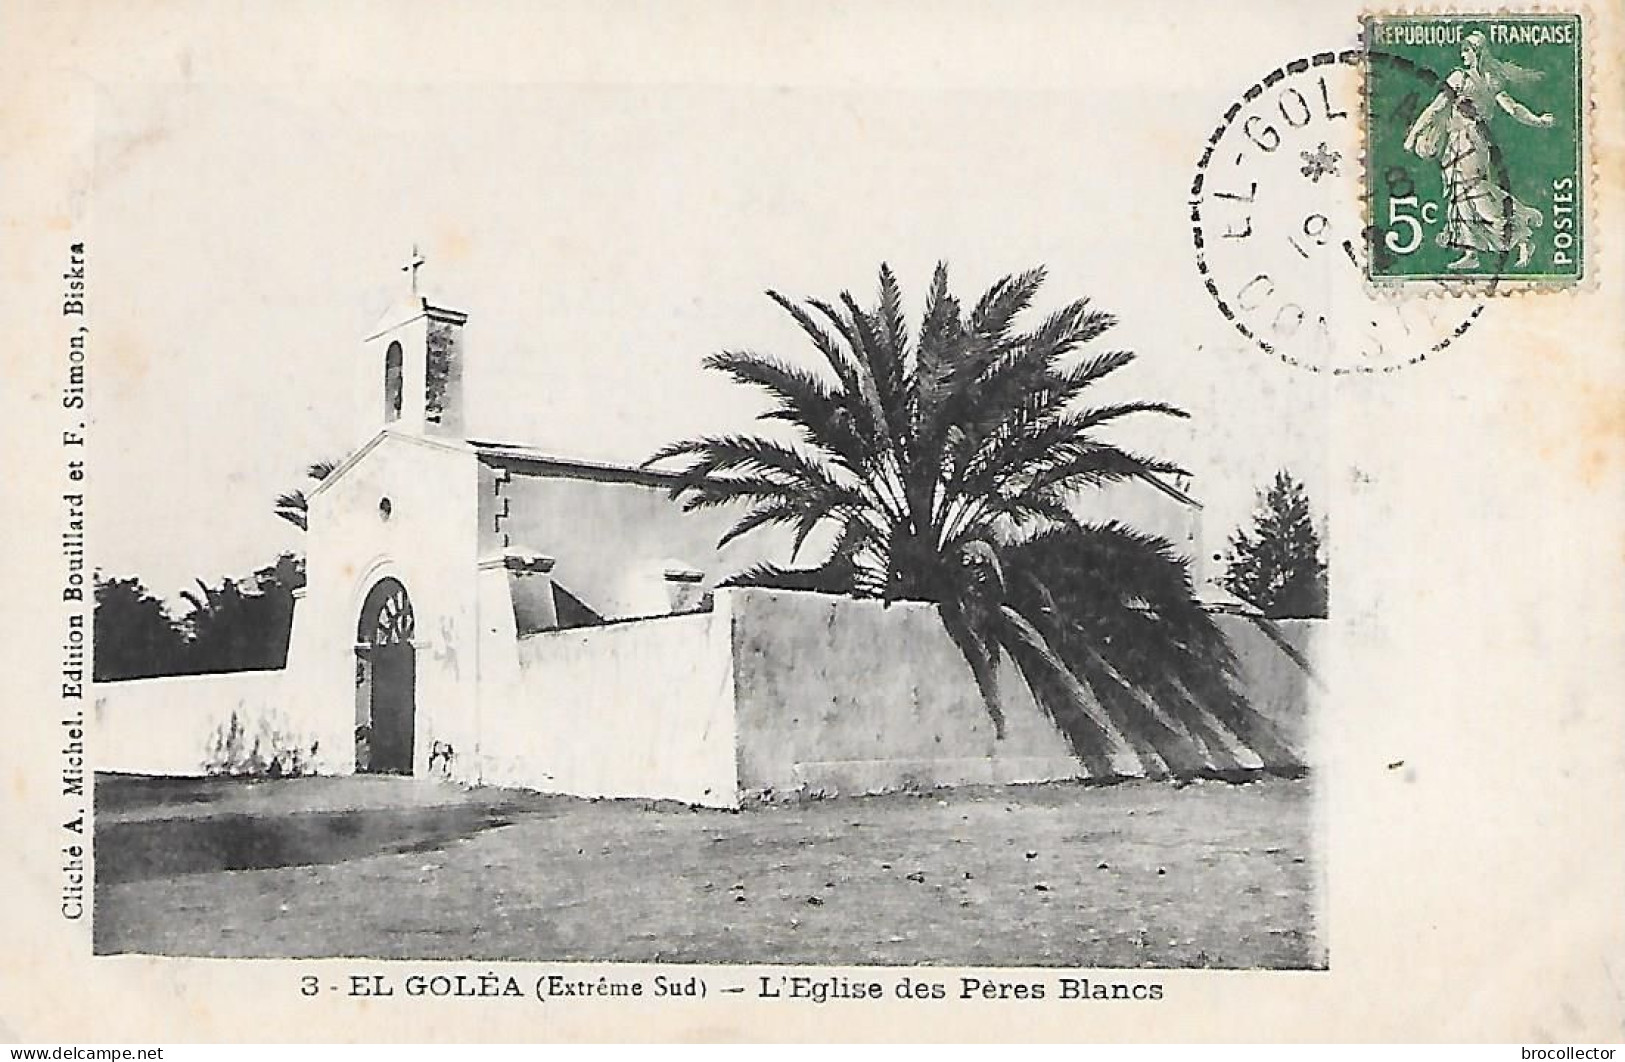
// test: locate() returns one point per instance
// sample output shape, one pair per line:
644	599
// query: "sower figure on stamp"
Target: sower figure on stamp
1481	215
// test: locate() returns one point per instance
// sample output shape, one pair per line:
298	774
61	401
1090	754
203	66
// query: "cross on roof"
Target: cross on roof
411	267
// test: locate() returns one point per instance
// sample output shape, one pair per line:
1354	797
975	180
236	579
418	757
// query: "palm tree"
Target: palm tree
293	506
941	466
1118	606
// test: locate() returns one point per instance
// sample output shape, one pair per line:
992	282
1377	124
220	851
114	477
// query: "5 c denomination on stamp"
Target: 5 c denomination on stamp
1474	131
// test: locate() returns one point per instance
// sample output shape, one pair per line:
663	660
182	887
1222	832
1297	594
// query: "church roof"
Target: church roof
410	308
367	447
527	460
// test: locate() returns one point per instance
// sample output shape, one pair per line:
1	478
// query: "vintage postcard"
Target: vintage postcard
726	521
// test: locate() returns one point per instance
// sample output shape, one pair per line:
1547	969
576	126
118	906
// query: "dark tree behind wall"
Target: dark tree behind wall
243	624
235	625
1277	564
135	636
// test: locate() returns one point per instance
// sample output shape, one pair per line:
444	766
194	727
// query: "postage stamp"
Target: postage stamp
1474	132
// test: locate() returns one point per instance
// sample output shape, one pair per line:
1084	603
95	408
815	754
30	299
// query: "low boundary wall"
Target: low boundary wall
1271	659
184	725
771	693
834	695
636	709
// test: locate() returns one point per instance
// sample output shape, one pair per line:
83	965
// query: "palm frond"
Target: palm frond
1041	657
1003	373
774	577
879	350
865	388
1070	327
941	340
773	512
864	419
894	329
756	456
801	399
996	311
293	507
1094	417
1045	462
1119	607
1095	368
982	654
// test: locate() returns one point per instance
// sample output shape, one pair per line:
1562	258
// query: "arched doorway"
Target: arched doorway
386	681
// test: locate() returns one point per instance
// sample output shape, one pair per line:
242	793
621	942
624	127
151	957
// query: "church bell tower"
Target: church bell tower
412	366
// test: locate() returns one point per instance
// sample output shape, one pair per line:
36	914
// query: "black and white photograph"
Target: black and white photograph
979	592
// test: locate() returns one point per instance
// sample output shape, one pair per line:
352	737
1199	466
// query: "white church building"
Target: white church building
489	613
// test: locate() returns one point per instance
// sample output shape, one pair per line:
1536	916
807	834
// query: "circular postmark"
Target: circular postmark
1280	232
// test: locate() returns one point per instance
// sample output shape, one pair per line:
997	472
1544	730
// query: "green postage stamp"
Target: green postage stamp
1475	160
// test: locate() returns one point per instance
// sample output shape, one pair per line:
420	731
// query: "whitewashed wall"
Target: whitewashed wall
636	709
842	696
170	725
773	692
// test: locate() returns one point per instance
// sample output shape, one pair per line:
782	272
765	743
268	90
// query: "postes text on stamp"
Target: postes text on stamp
1474	129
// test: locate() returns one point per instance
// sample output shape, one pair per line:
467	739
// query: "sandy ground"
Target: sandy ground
1132	875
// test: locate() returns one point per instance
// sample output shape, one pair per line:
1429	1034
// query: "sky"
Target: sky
604	239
